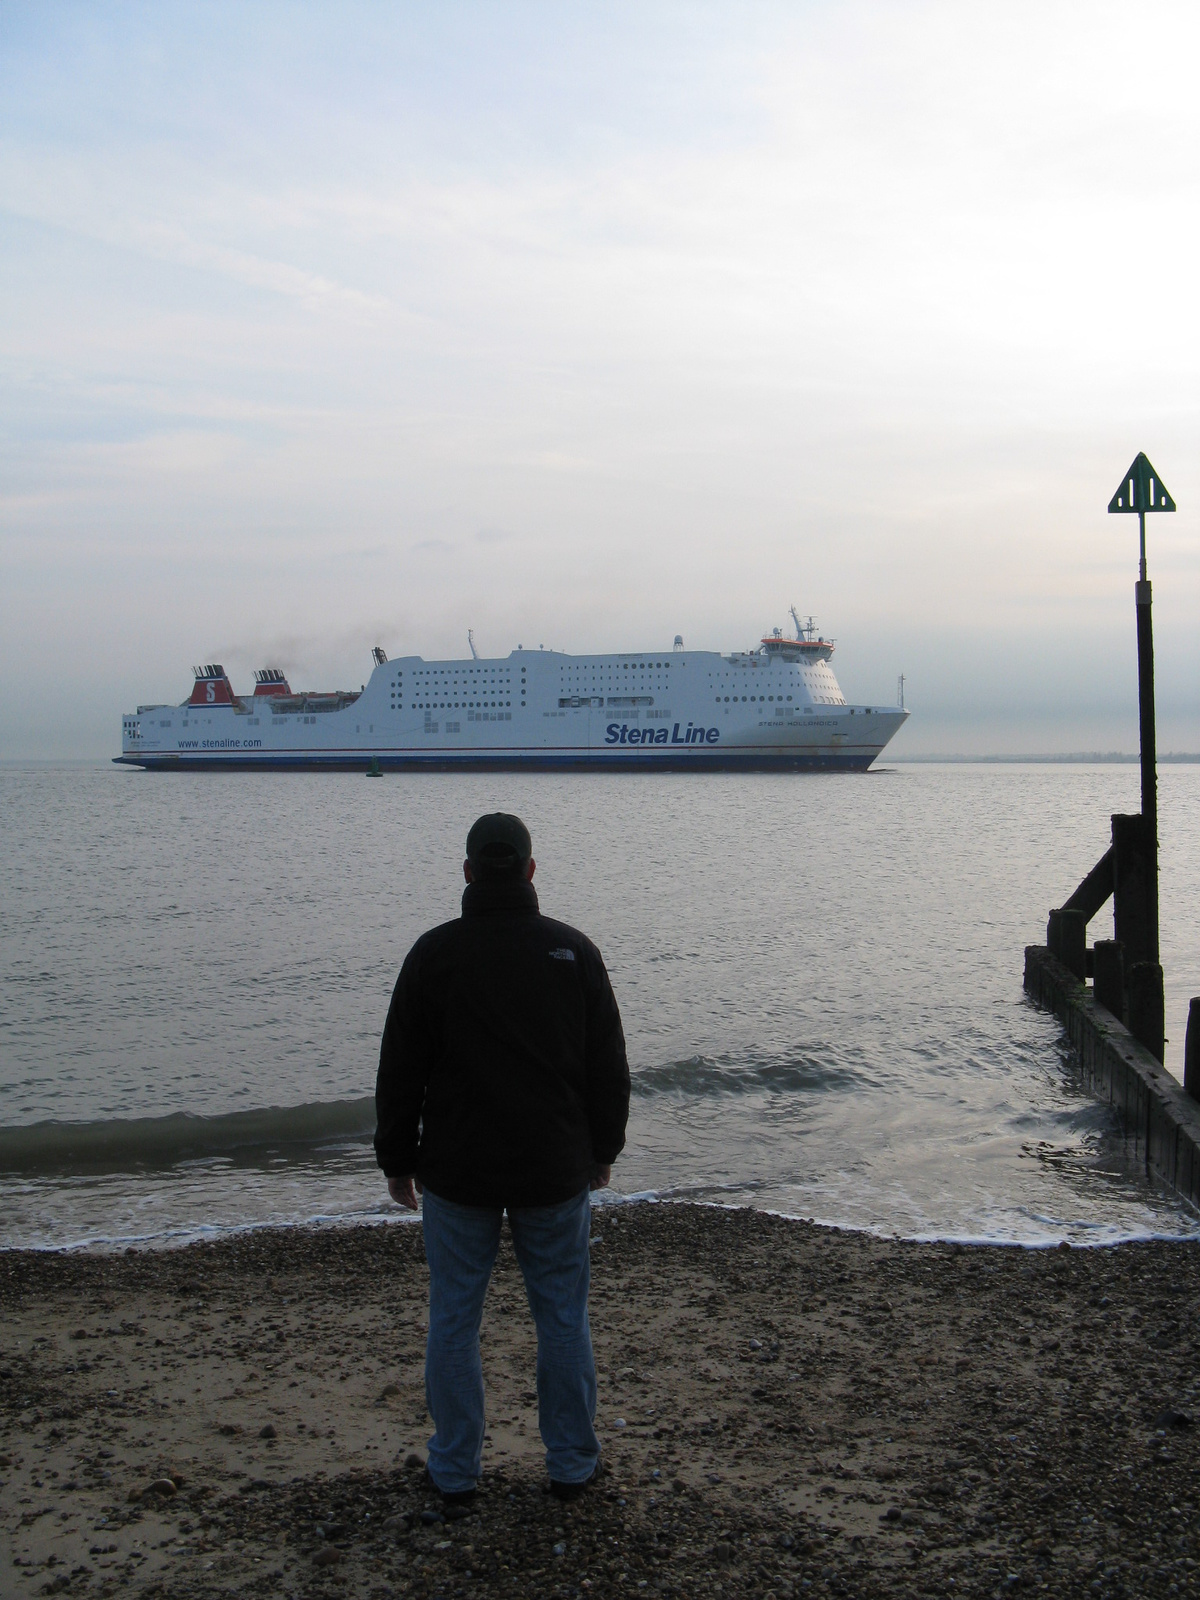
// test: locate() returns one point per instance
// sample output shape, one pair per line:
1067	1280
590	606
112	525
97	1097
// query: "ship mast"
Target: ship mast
802	633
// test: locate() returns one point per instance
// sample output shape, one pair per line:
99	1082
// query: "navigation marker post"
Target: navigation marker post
1127	971
1143	491
1135	839
1123	1064
1117	1026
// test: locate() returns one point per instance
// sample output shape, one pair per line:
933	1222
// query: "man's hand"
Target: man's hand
404	1191
601	1177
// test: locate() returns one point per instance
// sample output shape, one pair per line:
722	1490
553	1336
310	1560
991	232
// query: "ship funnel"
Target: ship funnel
270	681
212	687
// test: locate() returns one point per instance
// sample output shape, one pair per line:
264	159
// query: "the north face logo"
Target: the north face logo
563	955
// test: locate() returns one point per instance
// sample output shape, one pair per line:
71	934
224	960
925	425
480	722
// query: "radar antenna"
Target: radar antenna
471	642
678	645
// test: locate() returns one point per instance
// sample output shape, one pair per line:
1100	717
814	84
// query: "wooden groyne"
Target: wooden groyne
1118	1026
1159	1116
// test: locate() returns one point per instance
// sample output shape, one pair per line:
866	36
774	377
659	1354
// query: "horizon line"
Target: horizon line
1093	757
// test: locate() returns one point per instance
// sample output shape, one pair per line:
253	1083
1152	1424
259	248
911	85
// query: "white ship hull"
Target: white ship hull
775	709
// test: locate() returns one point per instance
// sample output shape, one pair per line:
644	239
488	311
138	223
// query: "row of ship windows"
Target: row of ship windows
398	694
575	701
819	699
472	716
626	666
456	705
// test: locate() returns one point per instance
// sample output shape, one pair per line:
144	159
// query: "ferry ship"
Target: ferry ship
777	707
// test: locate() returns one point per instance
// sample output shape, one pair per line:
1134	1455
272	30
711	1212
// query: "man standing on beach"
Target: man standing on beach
503	1086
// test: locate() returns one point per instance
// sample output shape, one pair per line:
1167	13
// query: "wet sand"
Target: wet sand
784	1409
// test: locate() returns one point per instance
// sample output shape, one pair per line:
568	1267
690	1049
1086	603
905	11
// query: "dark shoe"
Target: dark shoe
572	1491
462	1497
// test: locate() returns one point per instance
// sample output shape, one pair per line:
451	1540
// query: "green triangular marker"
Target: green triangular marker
1142	489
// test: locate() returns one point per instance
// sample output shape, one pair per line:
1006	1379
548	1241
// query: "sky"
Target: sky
327	326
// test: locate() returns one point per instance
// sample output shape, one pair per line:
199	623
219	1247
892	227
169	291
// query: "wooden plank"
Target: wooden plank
1095	888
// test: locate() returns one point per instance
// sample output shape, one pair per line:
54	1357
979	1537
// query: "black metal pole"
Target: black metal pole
1145	649
1134	855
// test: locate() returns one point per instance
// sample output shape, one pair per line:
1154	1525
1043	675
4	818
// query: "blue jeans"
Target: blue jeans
551	1243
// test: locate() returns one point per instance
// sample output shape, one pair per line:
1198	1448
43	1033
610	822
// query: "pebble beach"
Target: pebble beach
784	1410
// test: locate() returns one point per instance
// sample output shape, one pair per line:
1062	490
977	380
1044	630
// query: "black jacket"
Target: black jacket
502	1074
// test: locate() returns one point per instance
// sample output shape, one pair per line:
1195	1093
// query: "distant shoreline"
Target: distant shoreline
1081	758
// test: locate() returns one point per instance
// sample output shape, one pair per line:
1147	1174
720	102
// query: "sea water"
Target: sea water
819	976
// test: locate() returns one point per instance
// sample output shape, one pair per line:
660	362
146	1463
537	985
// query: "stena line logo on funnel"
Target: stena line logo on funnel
622	733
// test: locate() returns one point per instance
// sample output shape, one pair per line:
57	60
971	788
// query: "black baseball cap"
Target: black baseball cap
499	841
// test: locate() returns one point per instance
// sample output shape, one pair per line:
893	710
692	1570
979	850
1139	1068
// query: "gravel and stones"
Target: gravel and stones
807	1412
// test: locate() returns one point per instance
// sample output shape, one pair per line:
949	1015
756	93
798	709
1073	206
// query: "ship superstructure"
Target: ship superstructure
776	707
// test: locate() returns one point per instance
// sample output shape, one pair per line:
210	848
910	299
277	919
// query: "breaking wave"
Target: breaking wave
120	1143
748	1074
124	1143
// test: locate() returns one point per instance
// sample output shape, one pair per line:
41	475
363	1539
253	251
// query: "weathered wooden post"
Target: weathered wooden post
1108	976
1135	887
1191	1052
1147	1013
1066	938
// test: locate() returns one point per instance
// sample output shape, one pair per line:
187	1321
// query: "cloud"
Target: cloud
859	306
